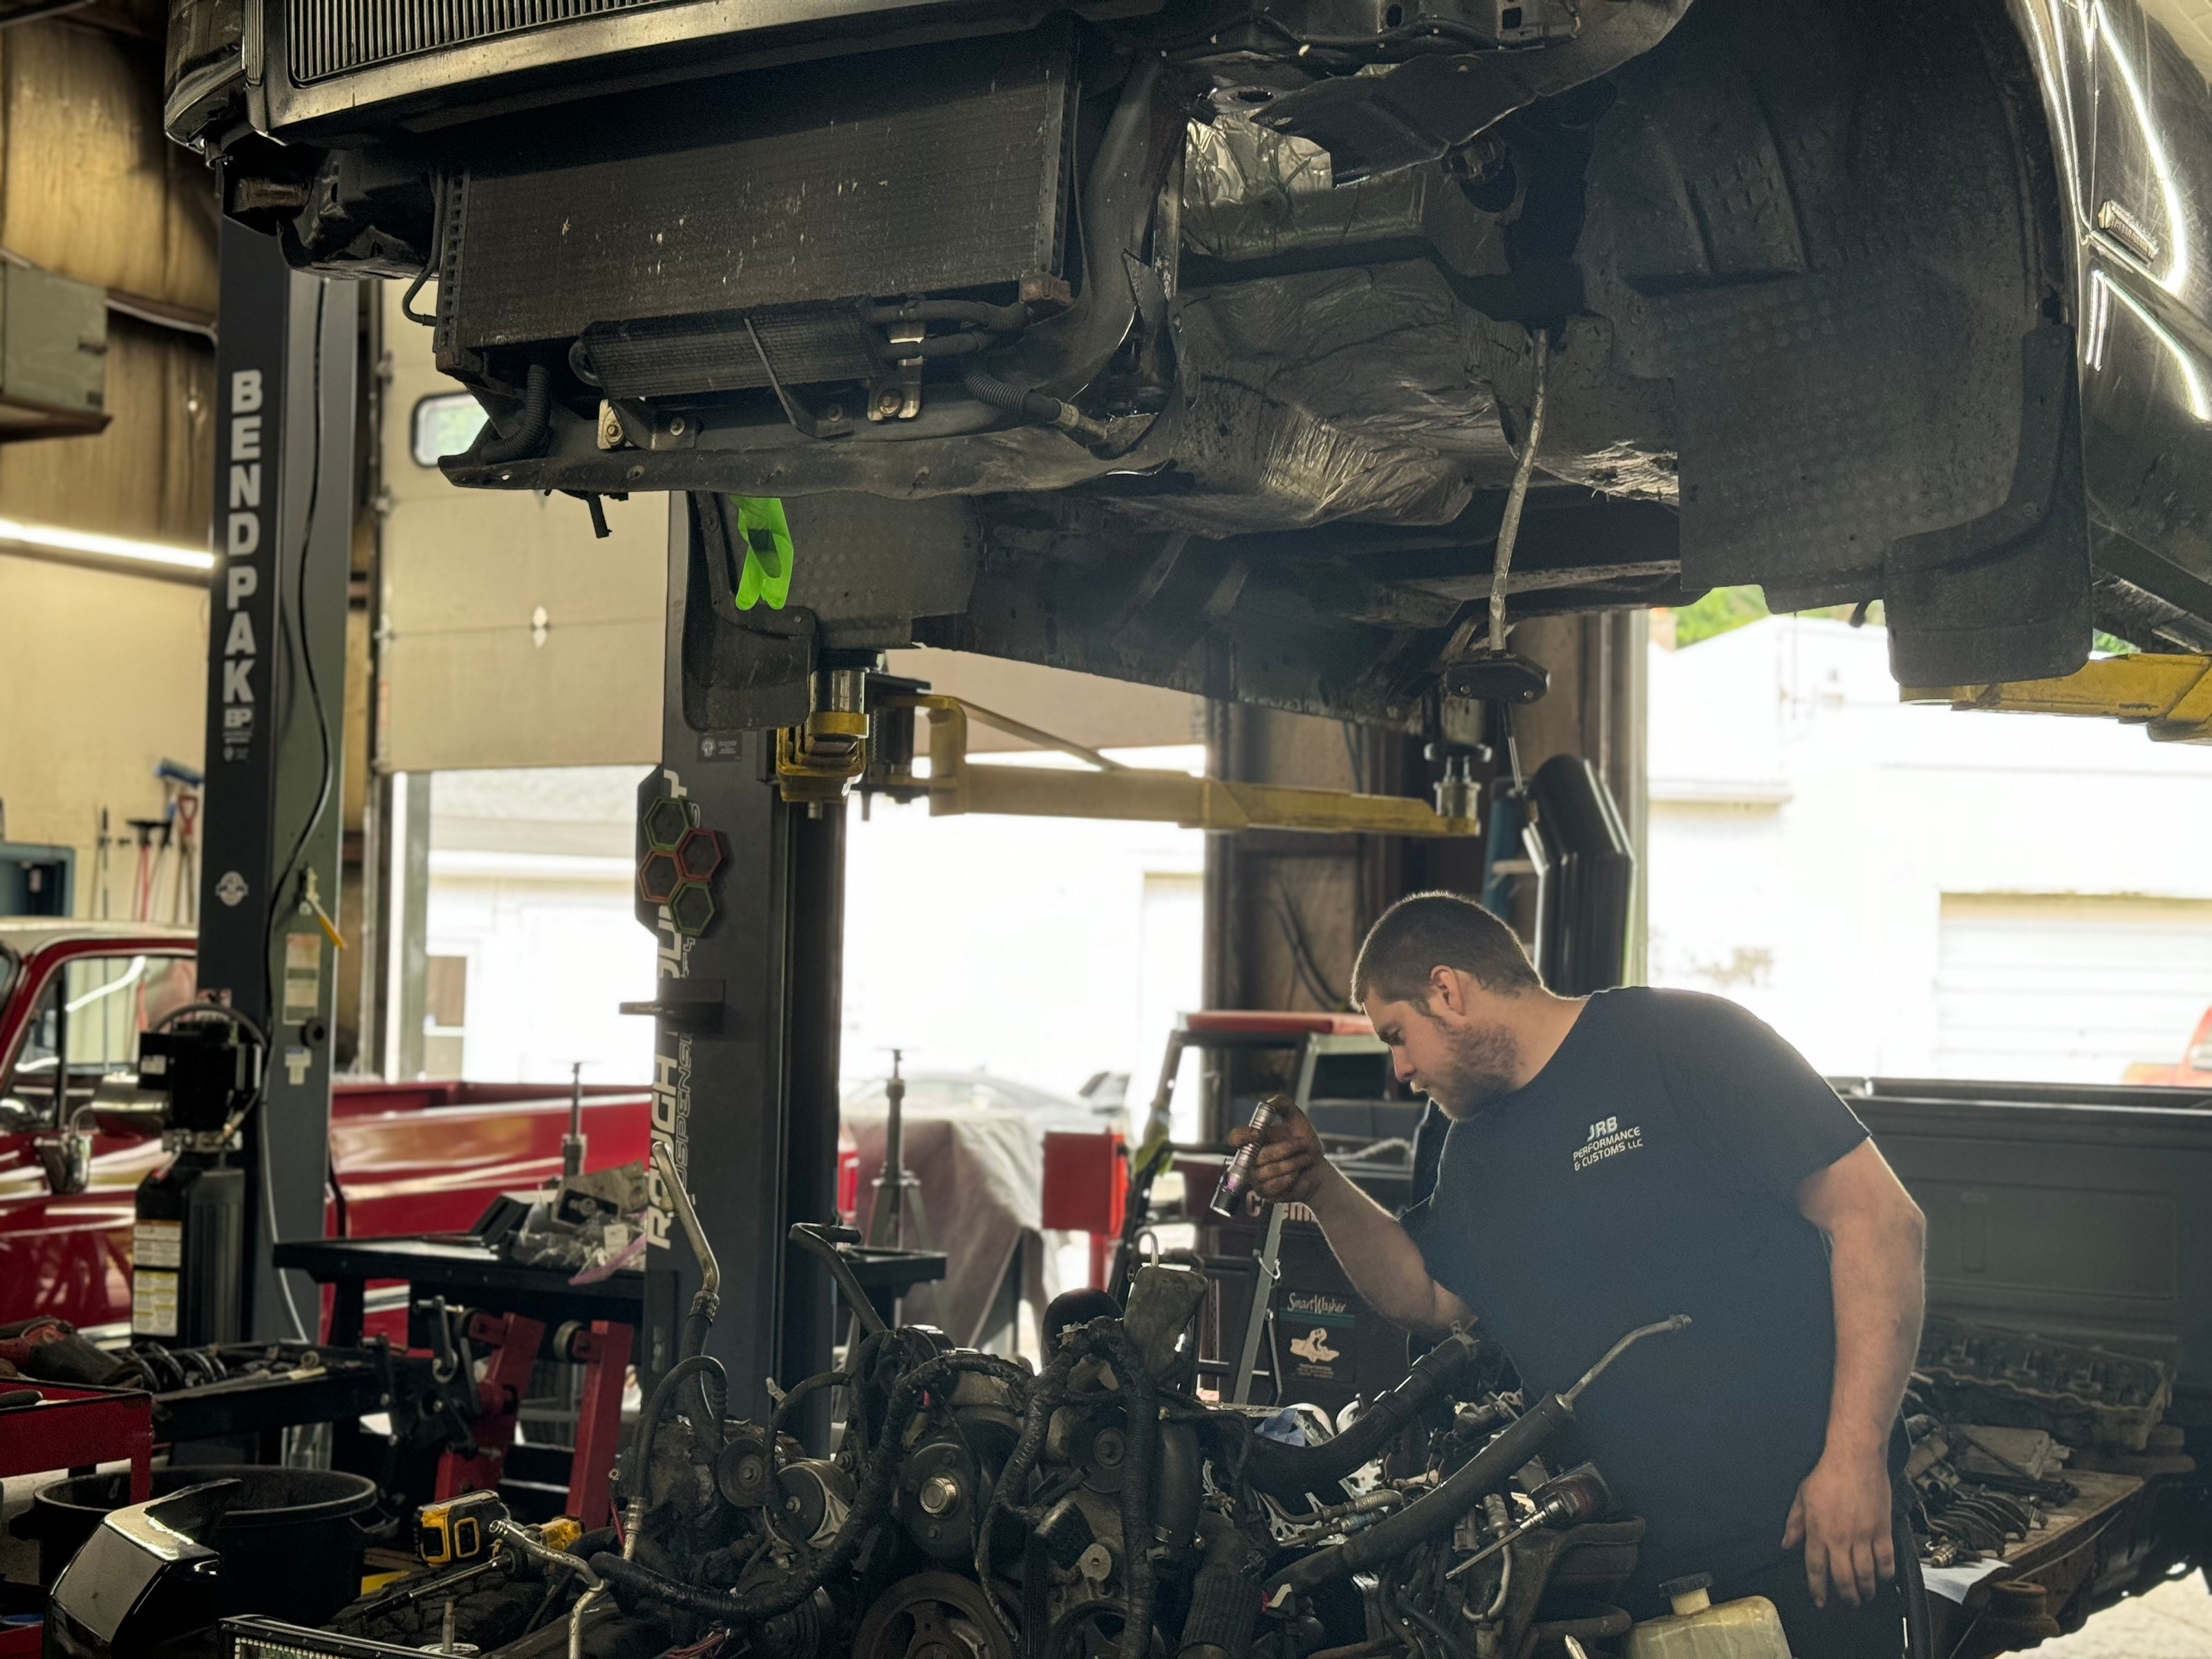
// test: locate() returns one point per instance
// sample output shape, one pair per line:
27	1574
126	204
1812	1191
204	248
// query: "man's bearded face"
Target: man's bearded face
1461	1066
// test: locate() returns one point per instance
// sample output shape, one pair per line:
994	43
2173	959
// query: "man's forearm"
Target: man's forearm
1383	1263
1875	1274
1842	1515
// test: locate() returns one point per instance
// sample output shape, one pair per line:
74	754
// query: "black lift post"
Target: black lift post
276	692
744	892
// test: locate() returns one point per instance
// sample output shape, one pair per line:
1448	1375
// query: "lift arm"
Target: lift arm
956	784
2170	694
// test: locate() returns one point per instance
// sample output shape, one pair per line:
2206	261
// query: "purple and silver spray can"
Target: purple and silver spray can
1236	1173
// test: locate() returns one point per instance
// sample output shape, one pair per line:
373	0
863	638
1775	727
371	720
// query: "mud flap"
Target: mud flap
2005	597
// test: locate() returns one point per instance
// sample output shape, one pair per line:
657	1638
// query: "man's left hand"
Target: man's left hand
1842	1518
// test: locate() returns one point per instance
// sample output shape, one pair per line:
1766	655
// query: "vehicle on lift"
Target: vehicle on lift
1205	342
405	1158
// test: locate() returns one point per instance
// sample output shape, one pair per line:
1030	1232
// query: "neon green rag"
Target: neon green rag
766	536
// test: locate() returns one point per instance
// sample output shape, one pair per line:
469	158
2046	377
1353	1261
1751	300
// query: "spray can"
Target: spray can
1237	1172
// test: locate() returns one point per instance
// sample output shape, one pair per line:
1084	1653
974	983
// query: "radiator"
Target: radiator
925	171
331	37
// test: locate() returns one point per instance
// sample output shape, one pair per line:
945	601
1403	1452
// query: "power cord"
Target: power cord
1303	964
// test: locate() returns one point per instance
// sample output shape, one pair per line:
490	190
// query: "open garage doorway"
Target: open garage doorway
1910	892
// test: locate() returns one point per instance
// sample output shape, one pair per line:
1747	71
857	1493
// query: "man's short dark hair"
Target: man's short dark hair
1427	931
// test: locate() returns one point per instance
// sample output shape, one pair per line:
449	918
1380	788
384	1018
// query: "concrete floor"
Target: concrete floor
2174	1621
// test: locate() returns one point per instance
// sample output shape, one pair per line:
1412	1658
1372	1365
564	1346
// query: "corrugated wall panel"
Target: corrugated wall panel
467	681
2066	987
91	189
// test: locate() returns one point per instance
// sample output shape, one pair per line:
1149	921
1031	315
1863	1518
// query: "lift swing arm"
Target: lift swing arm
2170	695
955	784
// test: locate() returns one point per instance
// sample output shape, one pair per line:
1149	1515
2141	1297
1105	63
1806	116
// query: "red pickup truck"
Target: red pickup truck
405	1156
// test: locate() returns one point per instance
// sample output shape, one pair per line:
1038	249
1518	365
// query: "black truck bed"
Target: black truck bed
2079	1213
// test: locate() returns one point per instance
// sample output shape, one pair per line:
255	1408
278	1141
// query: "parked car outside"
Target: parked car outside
2192	1070
941	1091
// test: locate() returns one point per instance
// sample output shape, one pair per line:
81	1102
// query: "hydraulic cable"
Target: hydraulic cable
1524	469
1034	408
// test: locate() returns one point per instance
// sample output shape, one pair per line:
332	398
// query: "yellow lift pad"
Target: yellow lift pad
2170	694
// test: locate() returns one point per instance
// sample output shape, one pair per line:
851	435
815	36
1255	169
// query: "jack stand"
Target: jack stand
572	1144
897	1187
603	1350
886	1221
514	1341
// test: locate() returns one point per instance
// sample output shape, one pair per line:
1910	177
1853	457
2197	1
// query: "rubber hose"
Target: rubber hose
784	1407
870	1504
528	438
1436	1512
696	1324
1919	1634
1116	208
1284	1470
1222	1606
1142	1408
947	345
696	1327
1181	1486
599	1538
1034	407
1003	319
648	1420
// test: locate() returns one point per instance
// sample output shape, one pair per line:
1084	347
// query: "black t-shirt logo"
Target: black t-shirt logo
1607	1138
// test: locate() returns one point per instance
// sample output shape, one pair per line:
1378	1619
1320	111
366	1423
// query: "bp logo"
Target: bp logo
680	861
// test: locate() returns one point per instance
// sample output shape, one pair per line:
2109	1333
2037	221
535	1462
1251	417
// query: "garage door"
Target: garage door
2068	988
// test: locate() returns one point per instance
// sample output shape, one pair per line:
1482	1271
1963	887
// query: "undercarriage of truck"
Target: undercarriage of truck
1290	354
1205	344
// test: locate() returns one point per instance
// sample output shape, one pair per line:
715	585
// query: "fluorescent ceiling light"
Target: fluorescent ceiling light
54	539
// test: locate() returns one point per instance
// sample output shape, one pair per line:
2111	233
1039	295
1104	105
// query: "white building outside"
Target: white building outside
1903	890
1042	951
1914	891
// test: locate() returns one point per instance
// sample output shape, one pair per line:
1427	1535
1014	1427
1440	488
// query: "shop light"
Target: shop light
54	540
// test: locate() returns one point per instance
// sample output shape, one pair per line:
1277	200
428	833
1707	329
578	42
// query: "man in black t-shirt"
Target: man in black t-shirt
1617	1159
